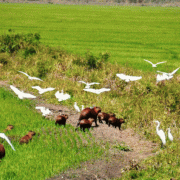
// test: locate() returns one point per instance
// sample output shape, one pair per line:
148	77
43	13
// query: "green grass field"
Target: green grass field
130	34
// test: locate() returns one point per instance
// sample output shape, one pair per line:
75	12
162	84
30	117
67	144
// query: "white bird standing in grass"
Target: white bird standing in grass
21	94
82	107
88	84
2	135
61	96
128	78
170	75
41	90
170	135
97	91
76	107
30	77
45	111
160	133
154	65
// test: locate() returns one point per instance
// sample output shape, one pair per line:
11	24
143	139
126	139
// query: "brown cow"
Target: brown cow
115	122
27	138
2	151
61	119
90	113
104	116
85	123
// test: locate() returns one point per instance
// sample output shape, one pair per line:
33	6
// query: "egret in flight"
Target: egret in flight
61	96
88	84
30	77
41	90
97	91
154	65
21	94
128	78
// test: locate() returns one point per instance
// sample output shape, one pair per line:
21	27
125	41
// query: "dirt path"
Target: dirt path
111	166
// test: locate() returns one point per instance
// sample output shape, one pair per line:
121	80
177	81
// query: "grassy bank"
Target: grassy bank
130	34
139	102
52	150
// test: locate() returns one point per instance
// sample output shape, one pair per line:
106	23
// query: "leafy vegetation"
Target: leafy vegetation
139	103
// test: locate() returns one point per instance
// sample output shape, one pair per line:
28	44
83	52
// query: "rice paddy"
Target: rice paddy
129	33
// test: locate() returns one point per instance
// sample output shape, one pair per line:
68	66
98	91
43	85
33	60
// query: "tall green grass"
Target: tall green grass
130	34
52	150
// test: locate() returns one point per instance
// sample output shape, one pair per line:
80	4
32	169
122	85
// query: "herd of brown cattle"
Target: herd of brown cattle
90	115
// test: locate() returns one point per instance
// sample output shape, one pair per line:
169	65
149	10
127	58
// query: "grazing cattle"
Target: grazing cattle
61	119
104	116
90	113
115	122
27	138
85	123
2	151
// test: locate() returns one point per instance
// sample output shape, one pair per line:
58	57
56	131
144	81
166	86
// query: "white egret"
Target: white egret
170	135
41	90
97	91
154	65
61	96
160	133
30	77
76	107
2	135
162	77
170	74
128	78
88	84
21	94
45	111
82	107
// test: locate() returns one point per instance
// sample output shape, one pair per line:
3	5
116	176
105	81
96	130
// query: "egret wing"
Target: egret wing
37	87
36	78
2	135
174	71
24	73
28	95
134	78
148	61
82	82
17	91
160	62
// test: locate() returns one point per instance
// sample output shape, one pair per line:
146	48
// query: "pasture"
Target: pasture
128	33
